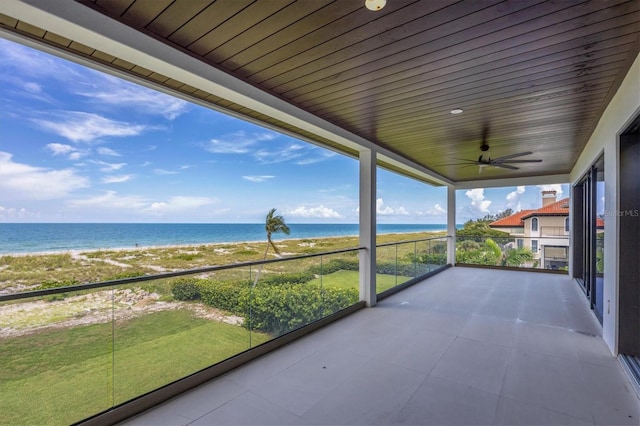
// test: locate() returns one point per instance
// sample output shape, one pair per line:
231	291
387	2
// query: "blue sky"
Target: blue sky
78	145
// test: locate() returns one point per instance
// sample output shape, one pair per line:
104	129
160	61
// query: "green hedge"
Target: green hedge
291	278
275	308
281	308
335	265
186	288
232	296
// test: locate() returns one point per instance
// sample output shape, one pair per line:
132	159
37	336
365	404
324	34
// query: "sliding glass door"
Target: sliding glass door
588	234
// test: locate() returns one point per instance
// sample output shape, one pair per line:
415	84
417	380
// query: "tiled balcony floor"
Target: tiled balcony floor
467	346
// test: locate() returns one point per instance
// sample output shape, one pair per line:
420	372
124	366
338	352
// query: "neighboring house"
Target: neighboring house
545	231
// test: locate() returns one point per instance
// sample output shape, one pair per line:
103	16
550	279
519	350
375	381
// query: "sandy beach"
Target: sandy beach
28	271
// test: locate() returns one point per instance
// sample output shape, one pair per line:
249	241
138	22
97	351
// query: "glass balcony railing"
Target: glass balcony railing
548	253
71	352
397	263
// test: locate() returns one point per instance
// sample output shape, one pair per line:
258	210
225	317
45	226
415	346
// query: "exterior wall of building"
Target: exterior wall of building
624	106
551	233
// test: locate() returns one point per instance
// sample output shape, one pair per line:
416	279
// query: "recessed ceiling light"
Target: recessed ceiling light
375	5
457	111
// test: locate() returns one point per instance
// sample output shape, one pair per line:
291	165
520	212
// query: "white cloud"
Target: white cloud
178	204
553	187
87	127
32	87
108	151
110	200
322	156
113	91
383	210
320	212
22	181
13	213
164	172
478	200
513	198
116	178
76	155
291	152
60	148
63	149
31	62
436	210
257	179
108	167
237	143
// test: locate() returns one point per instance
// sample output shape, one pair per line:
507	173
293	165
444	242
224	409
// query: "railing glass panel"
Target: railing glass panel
71	352
57	353
397	263
74	351
514	251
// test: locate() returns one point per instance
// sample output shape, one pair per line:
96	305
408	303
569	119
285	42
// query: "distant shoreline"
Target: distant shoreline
192	245
25	239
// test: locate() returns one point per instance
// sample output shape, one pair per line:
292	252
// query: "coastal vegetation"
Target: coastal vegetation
29	272
77	353
477	243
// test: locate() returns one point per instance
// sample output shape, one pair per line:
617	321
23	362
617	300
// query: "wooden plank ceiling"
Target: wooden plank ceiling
531	75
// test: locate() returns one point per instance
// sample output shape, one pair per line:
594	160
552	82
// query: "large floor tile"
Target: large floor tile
490	330
547	340
368	398
249	409
413	360
613	400
421	349
442	402
516	413
548	382
473	363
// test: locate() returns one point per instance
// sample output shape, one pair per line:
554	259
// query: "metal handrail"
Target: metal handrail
412	241
516	236
142	278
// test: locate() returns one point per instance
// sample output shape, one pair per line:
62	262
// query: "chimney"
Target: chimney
548	197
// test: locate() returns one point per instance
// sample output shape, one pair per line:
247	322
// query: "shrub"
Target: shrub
275	308
44	285
290	278
282	308
230	296
246	252
335	265
186	289
186	256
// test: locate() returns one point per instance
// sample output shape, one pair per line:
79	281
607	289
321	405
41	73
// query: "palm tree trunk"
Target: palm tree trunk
261	265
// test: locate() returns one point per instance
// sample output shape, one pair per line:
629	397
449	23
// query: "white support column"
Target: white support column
451	225
368	227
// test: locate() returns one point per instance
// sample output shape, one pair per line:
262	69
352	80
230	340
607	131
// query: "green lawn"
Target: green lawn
62	376
350	279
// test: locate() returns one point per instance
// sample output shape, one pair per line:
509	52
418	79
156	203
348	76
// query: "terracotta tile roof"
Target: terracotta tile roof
559	208
599	223
513	221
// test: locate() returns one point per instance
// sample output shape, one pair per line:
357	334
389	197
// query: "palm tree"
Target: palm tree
273	224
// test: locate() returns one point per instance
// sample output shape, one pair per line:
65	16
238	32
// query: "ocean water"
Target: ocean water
55	237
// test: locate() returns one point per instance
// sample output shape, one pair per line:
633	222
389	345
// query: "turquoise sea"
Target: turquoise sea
56	237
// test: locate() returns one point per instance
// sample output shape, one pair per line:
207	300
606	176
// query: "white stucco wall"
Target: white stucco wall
624	106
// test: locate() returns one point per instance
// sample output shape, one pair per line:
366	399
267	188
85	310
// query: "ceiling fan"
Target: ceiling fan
504	162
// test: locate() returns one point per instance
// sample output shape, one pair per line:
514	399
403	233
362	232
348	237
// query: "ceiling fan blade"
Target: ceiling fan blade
470	163
504	166
506	157
517	161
